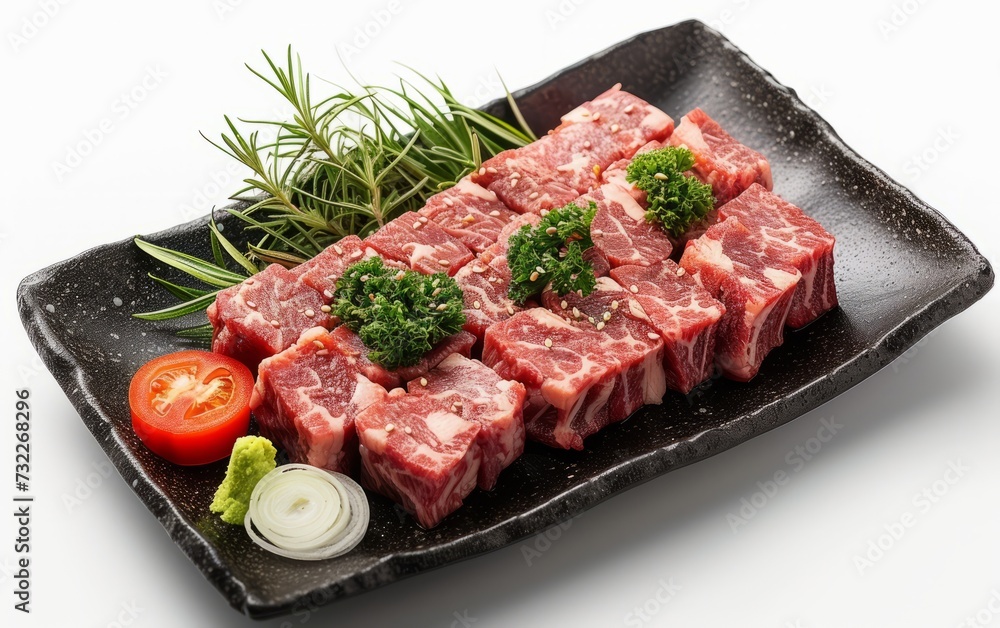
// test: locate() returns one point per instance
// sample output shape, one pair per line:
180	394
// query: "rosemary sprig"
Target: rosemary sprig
346	163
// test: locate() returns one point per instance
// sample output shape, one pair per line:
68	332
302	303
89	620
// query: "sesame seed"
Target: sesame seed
659	176
515	175
449	202
328	294
540	269
436	292
399	275
680	272
614	305
357	254
591	320
576	313
513	182
458	404
423	381
319	345
337	249
597	171
442	307
249	282
389	427
323	351
364	277
510	310
478	269
543	213
251	304
482	172
629	109
310	313
653	336
495	213
634	288
551	231
586	144
585	114
326	309
600	326
491	170
533	276
548	343
416	225
564	304
477	304
275	323
444	262
614	128
423	219
597	232
469	218
607	316
597	116
408	429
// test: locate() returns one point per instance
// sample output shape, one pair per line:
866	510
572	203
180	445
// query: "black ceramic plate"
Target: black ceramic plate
902	269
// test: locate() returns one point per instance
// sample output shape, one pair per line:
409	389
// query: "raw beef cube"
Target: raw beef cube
515	224
306	398
611	310
632	120
350	345
478	394
421	244
264	315
468	212
484	289
322	272
791	236
570	374
756	289
684	314
620	230
721	161
420	454
616	174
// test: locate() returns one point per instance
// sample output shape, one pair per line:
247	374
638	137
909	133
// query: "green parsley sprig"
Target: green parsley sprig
675	200
399	314
552	252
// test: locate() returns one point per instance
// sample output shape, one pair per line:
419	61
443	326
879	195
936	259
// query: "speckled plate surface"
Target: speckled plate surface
902	269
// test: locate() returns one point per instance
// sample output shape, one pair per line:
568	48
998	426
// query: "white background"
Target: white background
892	76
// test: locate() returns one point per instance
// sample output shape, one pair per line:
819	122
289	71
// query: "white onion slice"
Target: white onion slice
307	513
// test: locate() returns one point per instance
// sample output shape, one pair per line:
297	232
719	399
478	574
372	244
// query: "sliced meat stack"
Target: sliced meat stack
420	244
684	314
568	162
263	315
470	213
620	231
478	394
306	400
731	264
789	235
420	453
578	380
721	161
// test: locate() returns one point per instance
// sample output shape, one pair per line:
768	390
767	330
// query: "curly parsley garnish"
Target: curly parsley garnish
676	200
399	314
552	252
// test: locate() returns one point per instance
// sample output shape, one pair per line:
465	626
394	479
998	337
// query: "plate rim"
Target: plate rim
975	283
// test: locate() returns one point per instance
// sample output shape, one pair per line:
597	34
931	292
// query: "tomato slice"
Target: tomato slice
190	407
